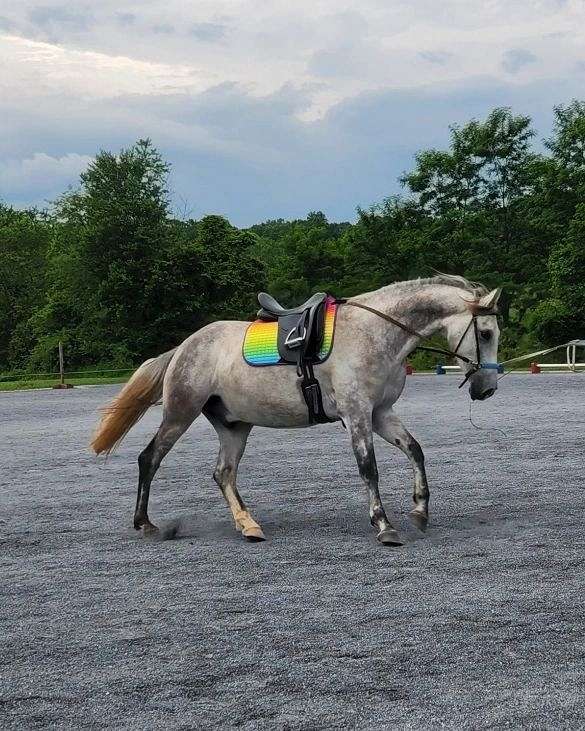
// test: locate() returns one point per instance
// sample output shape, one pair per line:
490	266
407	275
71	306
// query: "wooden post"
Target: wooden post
61	364
62	383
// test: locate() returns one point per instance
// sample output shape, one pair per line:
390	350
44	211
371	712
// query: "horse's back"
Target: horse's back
210	363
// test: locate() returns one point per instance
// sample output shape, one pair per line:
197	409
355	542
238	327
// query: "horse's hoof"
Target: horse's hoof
254	535
389	537
420	520
150	530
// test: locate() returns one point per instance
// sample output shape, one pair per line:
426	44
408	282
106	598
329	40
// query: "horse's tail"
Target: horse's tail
138	395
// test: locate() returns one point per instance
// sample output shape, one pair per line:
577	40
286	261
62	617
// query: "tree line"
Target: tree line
109	271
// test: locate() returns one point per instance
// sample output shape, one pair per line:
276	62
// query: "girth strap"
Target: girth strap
312	392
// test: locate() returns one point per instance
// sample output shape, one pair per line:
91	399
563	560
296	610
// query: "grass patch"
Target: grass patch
32	383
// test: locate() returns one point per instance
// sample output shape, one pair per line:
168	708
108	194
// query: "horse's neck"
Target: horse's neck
423	310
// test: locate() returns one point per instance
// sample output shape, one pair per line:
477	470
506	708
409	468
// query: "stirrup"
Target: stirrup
291	342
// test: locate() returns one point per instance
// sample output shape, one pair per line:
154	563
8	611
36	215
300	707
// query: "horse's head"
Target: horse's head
474	334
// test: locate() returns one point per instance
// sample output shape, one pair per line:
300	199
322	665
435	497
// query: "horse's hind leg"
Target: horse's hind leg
392	430
171	428
232	442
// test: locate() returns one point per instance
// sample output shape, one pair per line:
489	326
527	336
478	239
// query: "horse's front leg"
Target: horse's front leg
387	425
360	431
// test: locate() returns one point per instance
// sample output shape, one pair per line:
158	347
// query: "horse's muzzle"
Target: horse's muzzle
481	395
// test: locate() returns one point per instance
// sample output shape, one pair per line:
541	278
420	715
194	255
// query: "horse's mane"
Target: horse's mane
450	280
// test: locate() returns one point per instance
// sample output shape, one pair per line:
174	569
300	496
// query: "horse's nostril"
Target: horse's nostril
488	393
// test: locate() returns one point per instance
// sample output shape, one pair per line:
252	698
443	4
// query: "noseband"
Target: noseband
474	365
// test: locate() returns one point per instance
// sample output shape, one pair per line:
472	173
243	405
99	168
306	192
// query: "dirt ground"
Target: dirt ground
479	623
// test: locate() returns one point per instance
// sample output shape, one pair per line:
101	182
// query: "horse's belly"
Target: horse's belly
266	396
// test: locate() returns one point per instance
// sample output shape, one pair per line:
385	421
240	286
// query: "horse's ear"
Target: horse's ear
490	300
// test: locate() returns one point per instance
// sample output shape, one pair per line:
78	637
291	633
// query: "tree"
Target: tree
562	316
108	240
302	256
481	210
231	273
115	277
382	247
24	237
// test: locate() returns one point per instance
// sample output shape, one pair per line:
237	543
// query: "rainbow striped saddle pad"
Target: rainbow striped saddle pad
263	346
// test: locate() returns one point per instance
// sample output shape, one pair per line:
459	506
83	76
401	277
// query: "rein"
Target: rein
474	365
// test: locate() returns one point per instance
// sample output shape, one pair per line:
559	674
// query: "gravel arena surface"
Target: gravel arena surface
479	623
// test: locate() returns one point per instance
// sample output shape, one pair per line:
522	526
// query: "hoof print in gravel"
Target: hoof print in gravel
169	532
166	533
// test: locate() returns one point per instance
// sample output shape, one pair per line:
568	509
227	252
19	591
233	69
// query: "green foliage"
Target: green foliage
301	256
115	277
24	239
118	279
563	315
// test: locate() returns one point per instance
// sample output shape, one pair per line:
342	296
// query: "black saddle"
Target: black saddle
300	334
300	329
272	310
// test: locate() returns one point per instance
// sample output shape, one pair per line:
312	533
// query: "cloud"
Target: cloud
208	31
56	23
163	28
57	15
125	19
516	59
348	48
270	109
40	176
42	69
438	57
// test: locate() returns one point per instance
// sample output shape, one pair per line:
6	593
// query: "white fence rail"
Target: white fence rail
571	363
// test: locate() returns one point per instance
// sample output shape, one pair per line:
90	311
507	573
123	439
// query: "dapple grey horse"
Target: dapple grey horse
361	381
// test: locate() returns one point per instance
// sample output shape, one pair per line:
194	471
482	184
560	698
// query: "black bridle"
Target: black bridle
474	365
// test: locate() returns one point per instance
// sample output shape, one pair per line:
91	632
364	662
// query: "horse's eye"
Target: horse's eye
485	335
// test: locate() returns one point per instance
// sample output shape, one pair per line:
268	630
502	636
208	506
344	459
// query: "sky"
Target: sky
270	109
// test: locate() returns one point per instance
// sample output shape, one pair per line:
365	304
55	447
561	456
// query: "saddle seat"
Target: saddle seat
300	329
272	310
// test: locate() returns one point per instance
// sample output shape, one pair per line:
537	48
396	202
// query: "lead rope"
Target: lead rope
520	358
483	428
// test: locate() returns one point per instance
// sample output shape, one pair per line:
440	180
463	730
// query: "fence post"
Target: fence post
61	364
62	383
